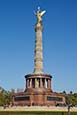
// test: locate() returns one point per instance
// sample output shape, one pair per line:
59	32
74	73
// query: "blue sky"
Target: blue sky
17	41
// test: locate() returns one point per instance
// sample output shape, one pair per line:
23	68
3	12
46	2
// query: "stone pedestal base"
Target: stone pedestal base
38	99
38	92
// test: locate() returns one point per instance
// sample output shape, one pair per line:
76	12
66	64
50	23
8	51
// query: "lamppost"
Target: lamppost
68	105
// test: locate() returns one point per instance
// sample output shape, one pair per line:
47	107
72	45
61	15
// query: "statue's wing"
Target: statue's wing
43	12
35	13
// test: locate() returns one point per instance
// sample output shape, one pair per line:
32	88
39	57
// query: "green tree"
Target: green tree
1	99
5	97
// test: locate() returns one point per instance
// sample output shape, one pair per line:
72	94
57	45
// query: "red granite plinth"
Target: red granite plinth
38	92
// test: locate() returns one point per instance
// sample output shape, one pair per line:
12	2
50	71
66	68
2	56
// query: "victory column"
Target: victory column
38	90
38	59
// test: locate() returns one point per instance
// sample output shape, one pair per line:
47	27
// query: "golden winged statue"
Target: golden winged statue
39	15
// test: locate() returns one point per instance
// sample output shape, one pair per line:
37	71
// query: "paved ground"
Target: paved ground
37	108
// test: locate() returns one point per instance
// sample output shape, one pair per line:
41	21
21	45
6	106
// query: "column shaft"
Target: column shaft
41	84
38	59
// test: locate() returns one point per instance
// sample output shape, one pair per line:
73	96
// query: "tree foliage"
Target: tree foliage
5	97
71	99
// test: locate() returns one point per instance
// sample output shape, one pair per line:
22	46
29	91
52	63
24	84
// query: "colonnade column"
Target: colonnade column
41	84
36	83
49	84
27	83
30	83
